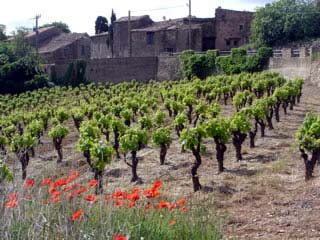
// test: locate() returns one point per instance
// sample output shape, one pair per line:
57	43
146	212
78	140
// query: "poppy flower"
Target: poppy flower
147	206
118	202
46	181
55	199
12	204
163	204
119	194
181	202
29	183
72	176
77	215
172	206
120	237
184	209
172	222
133	197
55	194
13	196
93	183
60	182
70	196
81	190
91	198
131	204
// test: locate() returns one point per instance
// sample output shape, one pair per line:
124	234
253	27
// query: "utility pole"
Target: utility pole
190	38
129	34
37	17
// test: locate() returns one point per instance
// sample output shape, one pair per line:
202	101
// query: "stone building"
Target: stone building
45	35
100	46
66	48
229	29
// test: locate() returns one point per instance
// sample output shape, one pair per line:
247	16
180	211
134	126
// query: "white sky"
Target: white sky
80	15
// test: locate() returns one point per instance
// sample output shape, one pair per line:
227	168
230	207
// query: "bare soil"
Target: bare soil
262	197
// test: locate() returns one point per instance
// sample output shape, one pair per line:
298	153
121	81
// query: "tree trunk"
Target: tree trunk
220	148
195	178
60	156
277	114
262	127
285	106
24	160
252	135
196	120
309	164
225	98
87	155
238	139
269	118
134	167
190	113
127	122
163	153
116	142
98	177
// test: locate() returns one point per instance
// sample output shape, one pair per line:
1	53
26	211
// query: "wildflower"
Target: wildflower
81	190
70	196
163	204
118	202
72	176
131	204
46	181
120	237
91	198
184	209
93	183
77	215
12	203
13	196
149	193
119	194
55	199
172	222
55	194
29	183
181	202
133	197
147	206
60	182
172	206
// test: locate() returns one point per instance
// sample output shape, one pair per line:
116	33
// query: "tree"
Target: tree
20	145
2	32
57	133
219	130
162	138
111	31
101	154
192	139
101	25
63	26
132	141
285	21
308	137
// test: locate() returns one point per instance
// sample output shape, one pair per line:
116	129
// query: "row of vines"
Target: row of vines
118	121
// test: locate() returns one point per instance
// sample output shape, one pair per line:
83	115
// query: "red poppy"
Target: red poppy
147	206
77	215
73	187
181	202
55	199
60	182
118	202
172	222
29	183
46	181
81	190
91	198
131	204
119	194
156	184
70	196
27	197
13	196
184	209
93	183
172	206
55	194
149	193
163	204
120	237
12	204
133	197
72	176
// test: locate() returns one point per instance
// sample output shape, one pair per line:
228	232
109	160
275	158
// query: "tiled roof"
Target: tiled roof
132	18
41	30
167	25
61	41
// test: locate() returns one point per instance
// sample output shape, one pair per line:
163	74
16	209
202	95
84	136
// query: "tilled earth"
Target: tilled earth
262	197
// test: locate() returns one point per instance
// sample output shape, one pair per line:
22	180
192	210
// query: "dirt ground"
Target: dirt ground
262	197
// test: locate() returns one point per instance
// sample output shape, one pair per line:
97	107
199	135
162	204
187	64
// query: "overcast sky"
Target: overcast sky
80	15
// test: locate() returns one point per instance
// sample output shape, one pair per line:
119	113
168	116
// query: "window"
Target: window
228	42
235	42
241	27
150	38
83	51
170	50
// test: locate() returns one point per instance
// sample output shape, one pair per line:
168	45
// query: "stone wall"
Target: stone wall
99	47
169	68
291	67
118	70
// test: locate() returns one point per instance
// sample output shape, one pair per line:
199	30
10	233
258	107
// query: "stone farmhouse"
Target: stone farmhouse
229	29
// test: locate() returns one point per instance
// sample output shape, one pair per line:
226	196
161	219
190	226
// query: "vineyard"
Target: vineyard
202	138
